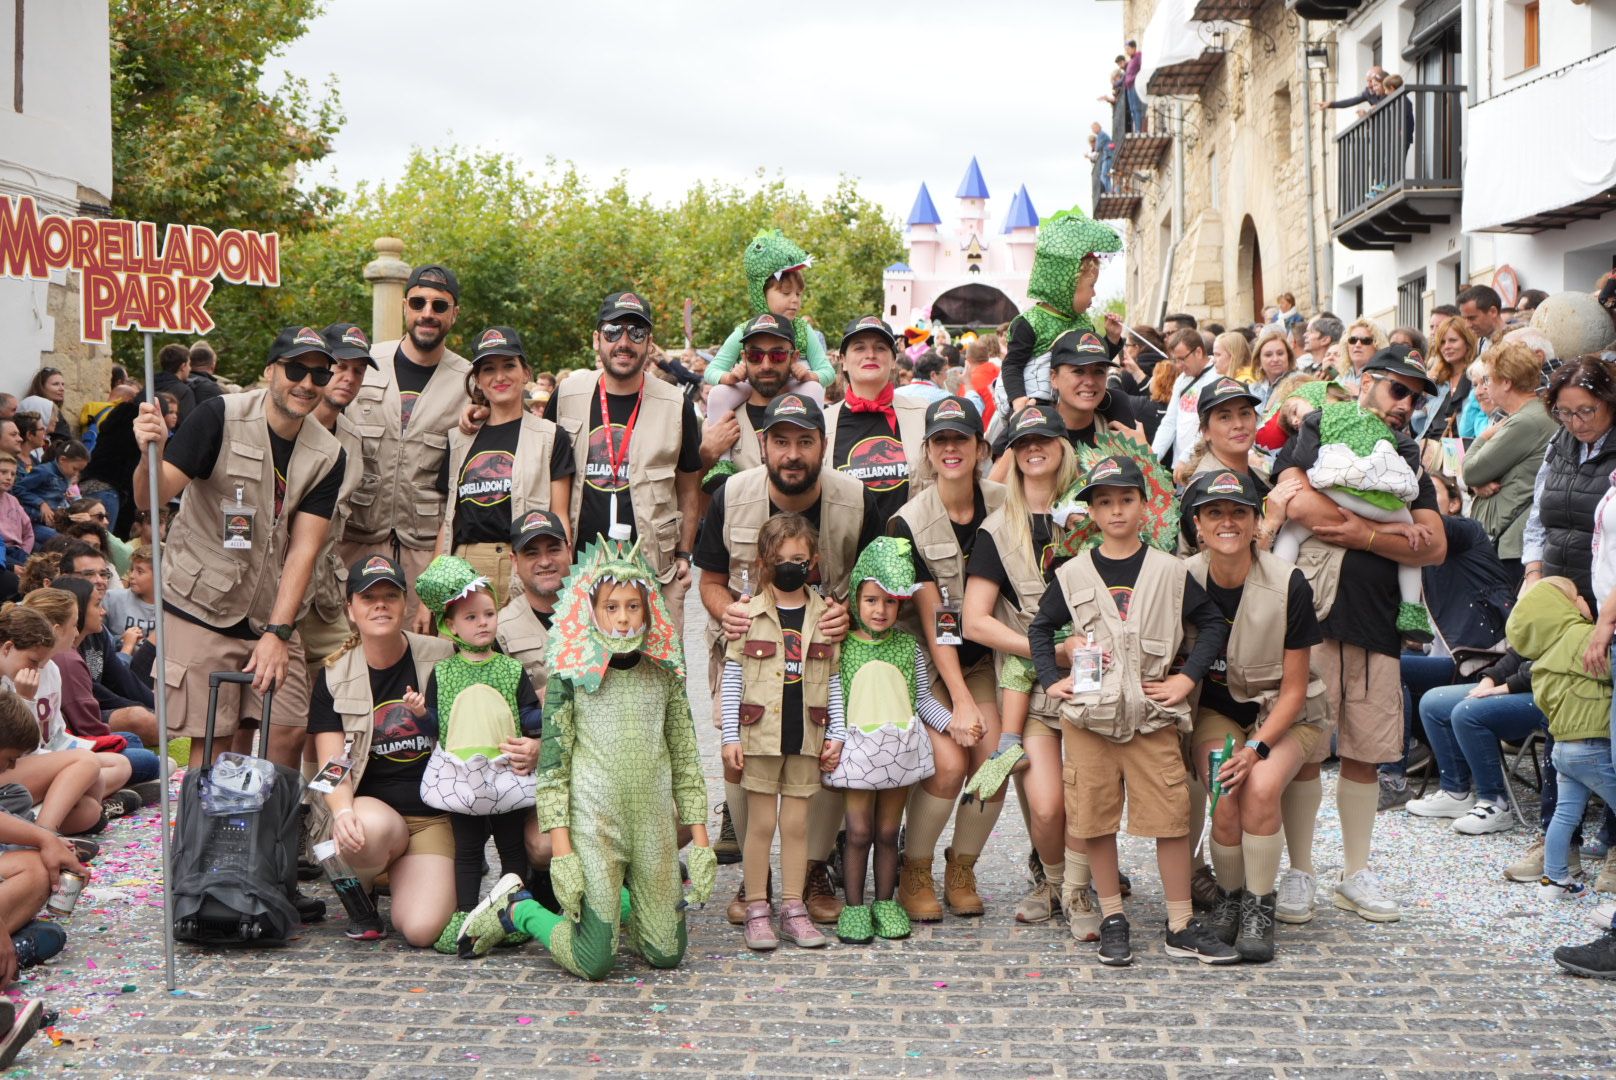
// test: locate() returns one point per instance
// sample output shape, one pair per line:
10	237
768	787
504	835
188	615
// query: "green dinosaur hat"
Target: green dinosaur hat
1063	240
578	650
888	561
769	257
446	579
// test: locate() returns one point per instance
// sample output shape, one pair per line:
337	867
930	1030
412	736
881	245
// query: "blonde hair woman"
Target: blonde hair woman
1451	355
1362	340
1231	355
1274	359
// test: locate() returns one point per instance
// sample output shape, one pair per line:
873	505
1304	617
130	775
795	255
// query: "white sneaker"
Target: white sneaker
1604	915
1443	805
1294	905
1363	893
1570	889
1485	817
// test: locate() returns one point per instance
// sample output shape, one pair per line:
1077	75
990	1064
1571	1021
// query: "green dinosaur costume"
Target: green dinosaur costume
1065	239
620	771
445	580
768	258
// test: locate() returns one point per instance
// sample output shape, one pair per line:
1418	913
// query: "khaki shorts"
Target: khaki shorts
430	835
1364	691
321	638
796	775
492	561
1147	772
978	680
1212	726
193	652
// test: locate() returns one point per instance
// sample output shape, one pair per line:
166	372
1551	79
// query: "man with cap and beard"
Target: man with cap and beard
768	371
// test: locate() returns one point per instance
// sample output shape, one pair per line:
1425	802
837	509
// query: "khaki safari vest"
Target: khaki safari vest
1142	647
747	453
348	679
911	433
330	576
761	654
1021	567
934	537
1256	649
841	520
523	636
530	471
653	462
218	585
404	498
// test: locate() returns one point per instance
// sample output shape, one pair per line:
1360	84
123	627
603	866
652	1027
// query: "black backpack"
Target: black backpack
233	877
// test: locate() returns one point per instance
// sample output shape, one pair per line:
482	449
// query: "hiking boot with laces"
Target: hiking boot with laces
1204	888
759	931
1039	904
1595	960
1529	867
959	884
1082	908
1224	918
797	928
1363	893
1255	942
823	906
917	892
1114	948
1606	881
727	847
1197	942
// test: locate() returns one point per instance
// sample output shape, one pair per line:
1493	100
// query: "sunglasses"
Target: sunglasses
1399	392
757	356
296	372
1360	341
636	333
439	305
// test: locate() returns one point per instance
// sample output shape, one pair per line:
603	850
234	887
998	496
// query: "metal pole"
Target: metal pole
159	683
1307	150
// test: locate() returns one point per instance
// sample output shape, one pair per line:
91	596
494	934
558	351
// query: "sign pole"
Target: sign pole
160	682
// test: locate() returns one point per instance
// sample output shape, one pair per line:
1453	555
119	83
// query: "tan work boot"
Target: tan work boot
916	891
736	912
959	884
823	907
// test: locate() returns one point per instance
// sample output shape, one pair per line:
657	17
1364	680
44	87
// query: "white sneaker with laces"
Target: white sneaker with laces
1570	889
1294	905
1485	817
1442	804
1604	915
1364	894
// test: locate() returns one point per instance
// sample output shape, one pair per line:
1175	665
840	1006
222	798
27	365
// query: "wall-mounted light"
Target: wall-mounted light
1318	58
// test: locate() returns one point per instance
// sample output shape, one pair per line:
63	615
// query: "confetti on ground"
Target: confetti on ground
939	986
524	1020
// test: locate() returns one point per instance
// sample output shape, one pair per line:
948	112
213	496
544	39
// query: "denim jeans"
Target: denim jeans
1136	109
1584	767
143	763
1421	673
1464	733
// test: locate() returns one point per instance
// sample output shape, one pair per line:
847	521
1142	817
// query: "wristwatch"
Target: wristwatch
284	632
685	555
1261	747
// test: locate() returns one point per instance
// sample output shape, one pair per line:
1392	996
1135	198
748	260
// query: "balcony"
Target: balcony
1325	10
1121	203
1186	77
1143	150
1398	169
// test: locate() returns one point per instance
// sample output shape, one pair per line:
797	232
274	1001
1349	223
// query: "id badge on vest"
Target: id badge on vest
238	523
946	622
1087	666
617	530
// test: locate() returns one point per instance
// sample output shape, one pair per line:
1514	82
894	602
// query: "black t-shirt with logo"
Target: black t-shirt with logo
1120	576
412	379
1301	632
755	414
985	562
400	744
595	507
791	710
965	536
867	450
712	554
483	489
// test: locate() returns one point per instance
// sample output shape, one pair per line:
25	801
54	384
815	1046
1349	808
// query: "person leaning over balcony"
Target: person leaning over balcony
1372	94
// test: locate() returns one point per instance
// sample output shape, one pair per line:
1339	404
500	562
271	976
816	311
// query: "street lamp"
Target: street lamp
1318	57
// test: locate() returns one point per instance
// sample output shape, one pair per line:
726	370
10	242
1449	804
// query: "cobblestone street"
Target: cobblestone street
1462	986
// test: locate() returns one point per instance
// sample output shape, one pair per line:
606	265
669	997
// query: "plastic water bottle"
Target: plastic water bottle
365	920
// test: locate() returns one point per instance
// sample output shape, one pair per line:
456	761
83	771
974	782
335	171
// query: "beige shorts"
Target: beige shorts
1212	726
430	835
1364	691
796	775
978	680
1147	772
321	638
193	652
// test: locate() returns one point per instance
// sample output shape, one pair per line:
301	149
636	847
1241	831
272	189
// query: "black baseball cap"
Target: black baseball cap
1404	361
796	409
1117	471
873	324
347	342
373	570
497	341
534	524
295	341
1223	390
768	324
1210	487
624	305
1037	419
1078	348
434	276
953	414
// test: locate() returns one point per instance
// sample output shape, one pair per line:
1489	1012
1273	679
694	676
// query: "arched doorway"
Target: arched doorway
972	305
1250	281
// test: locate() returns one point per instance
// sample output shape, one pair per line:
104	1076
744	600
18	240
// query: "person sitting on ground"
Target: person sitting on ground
43	492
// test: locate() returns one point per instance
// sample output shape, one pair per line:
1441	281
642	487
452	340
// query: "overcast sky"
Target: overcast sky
891	92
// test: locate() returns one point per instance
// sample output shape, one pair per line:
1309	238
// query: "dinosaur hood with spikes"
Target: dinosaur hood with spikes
888	561
769	257
446	579
1064	239
578	650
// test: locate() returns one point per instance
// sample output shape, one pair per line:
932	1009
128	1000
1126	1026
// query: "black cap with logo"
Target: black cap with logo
1210	487
789	408
1117	471
1078	348
1225	390
434	276
347	342
624	305
953	414
297	341
374	570
768	324
1042	421
872	324
1404	361
534	524
497	341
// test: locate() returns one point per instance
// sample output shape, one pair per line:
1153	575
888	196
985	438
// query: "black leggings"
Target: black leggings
471	839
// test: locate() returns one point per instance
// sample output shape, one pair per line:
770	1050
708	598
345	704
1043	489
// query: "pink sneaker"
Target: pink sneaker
797	926
759	926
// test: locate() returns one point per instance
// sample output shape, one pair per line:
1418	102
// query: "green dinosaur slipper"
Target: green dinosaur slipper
891	921
485	927
1414	622
855	926
448	941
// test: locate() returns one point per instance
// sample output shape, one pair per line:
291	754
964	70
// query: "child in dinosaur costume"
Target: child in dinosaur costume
618	774
1065	267
774	283
1355	458
888	696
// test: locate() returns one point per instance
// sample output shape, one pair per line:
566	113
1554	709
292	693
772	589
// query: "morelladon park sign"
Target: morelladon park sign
134	275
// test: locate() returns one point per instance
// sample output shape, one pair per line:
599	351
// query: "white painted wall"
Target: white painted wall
1568	32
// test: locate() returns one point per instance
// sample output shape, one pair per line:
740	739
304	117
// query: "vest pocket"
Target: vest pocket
751	714
759	647
1100	713
819	650
819	714
211	579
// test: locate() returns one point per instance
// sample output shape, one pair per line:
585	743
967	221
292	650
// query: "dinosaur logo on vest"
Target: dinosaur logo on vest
485	479
598	465
878	463
793	643
1226	484
398	737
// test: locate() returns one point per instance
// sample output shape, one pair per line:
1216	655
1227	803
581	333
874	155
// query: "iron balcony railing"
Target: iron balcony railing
1407	144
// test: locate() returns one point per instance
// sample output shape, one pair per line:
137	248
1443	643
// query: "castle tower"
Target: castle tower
924	242
973	212
1021	229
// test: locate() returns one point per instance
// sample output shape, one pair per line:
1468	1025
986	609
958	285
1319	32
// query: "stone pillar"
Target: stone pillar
387	273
